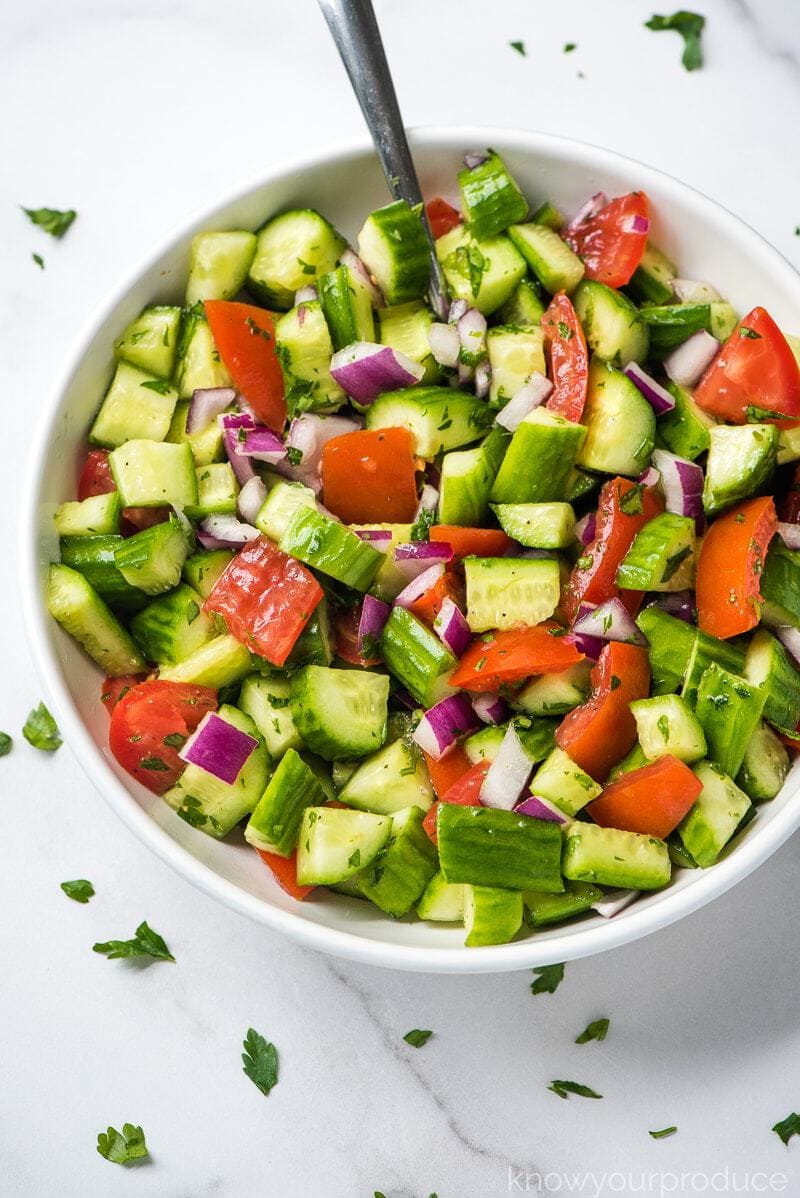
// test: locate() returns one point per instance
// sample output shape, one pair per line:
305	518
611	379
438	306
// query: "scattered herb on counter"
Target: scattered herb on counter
569	47
549	978
519	47
39	260
81	890
41	730
665	1131
122	1147
5	744
146	943
51	220
596	1030
788	1127
564	1089
689	25
260	1061
417	1037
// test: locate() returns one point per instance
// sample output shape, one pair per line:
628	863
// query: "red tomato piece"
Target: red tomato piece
245	338
728	586
266	599
346	625
602	730
442	217
95	477
369	476
284	871
612	241
466	542
150	723
754	369
448	769
465	791
114	689
652	800
502	658
568	358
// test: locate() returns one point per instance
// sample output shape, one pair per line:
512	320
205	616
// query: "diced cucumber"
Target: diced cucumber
611	857
173	627
331	548
283	500
393	778
137	405
715	816
484	745
552	261
672	324
580	485
515	355
394	248
216	807
667	725
538	525
218	663
685	430
347	307
396	878
93	557
652	280
548	214
203	568
340	713
780	586
150	341
199	363
217	491
524	307
490	199
537	736
765	766
507	592
416	657
729	709
337	843
218	265
441	901
724	319
670	645
390	579
206	445
405	327
274	825
741	460
152	559
564	783
708	650
154	474
484	846
491	915
467	477
314	646
304	348
545	909
659	550
539	459
768	665
267	700
98	515
556	694
83	614
613	327
292	250
634	760
788	445
438	418
620	424
483	273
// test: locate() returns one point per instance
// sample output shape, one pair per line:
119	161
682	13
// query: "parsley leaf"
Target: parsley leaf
122	1147
41	730
260	1061
146	943
519	47
39	260
421	528
160	386
51	220
294	456
631	502
788	1127
596	1030
744	331
549	978
417	1037
5	744
564	1089
80	890
569	47
689	25
663	1133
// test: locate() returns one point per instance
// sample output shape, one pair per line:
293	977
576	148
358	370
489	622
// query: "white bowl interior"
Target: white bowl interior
706	241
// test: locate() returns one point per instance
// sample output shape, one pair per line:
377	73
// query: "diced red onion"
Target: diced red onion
428	501
591	208
230	424
688	362
415	556
529	396
790	535
419	585
351	260
378	538
489	708
657	396
677	603
585	529
690	291
206	404
457	310
474	158
445	343
508	774
614	901
226	531
218	748
590	646
374	614
790	639
261	444
541	809
636	223
610	621
441	725
649	477
365	369
306	295
251	499
682	483
452	628
472	332
483	379
238	419
310	434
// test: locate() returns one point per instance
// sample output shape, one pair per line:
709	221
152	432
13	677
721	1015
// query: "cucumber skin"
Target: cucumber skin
93	557
546	909
399	874
765	767
490	199
487	847
670	645
715	816
611	857
685	430
332	734
275	822
415	656
492	915
82	613
646	566
729	709
768	664
394	247
172	626
553	444
780	584
331	548
708	650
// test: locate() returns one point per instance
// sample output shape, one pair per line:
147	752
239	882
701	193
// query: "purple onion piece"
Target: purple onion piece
374	614
489	708
442	724
365	370
649	477
789	534
261	444
415	557
206	404
251	499
457	310
474	158
610	621
593	205
230	532
677	603
657	396
218	748
428	501
378	538
483	379
419	585
636	223
790	639
306	295
585	529
351	260
452	628
689	361
614	901
445	344
508	774
530	396
682	484
238	420
542	809
691	291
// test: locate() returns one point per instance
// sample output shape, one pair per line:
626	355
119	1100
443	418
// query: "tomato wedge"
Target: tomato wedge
727	589
284	871
612	241
428	606
369	476
95	477
245	338
602	730
568	358
442	217
652	800
265	598
447	769
482	542
114	689
755	369
150	723
346	624
465	791
502	658
623	508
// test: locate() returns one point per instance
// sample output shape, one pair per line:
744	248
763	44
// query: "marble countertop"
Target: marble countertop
139	114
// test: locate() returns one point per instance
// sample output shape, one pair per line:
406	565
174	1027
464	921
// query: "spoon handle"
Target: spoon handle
355	31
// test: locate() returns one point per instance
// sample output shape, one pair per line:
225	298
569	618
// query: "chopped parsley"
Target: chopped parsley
569	47
5	744
469	262
788	1127
744	331
417	1037
257	330
519	47
631	502
160	386
294	456
192	611
673	562
354	859
421	528
596	1030
689	25
565	331
663	1133
191	812
175	740
615	682
548	979
156	764
584	562
260	1061
41	730
564	1089
145	943
51	220
122	1147
39	260
80	890
662	723
306	267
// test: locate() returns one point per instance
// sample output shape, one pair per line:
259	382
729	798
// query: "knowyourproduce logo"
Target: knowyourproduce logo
654	1184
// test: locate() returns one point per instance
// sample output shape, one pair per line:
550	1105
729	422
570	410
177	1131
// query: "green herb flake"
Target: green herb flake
690	26
51	220
663	1133
744	331
519	47
662	723
631	503
674	562
175	740
145	943
192	611
548	979
565	331
569	47
156	764
788	1127
421	528
260	1061
417	1037
257	330
615	682
596	1030
584	562
160	386
39	260
121	1148
191	812
354	859
41	730
563	1089
294	456
80	890
5	744
306	267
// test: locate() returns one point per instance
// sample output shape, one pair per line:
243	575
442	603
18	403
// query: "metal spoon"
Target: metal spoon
358	40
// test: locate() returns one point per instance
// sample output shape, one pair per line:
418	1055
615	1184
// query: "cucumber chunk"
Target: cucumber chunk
620	424
539	459
515	355
485	846
441	901
152	559
741	460
564	783
546	909
729	709
670	645
708	650
199	363
659	555
98	515
395	880
538	525
331	548
335	844
292	251
394	248
611	857
685	430
274	825
507	592
206	445
765	767
670	325
780	586
151	340
137	405
172	628
219	663
613	327
217	491
283	500
524	307
667	725
94	558
390	780
715	816
267	700
490	199
484	745
491	915
483	273
314	646
203	568
556	694
340	713
83	614
467	478
406	328
154	474
768	665
416	657
552	261
218	265
305	349
634	760
346	306
438	418
652	280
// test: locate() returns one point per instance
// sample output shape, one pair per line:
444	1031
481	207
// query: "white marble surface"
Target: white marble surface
139	114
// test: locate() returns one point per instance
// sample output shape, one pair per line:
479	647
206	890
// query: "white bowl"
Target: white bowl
345	183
